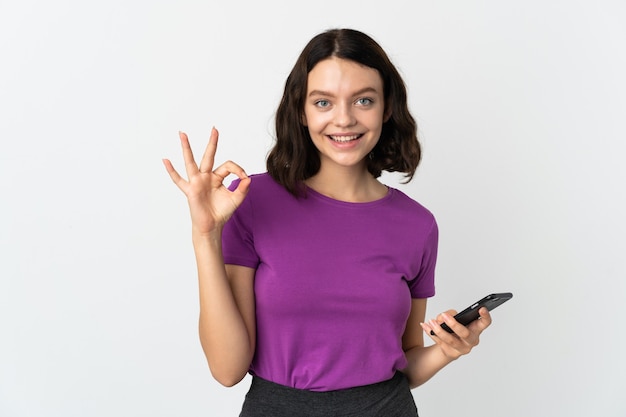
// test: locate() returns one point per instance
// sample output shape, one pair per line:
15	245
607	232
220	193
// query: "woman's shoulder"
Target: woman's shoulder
404	202
402	198
263	188
264	183
261	180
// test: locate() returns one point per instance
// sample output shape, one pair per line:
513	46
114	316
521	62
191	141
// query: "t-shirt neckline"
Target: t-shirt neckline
319	196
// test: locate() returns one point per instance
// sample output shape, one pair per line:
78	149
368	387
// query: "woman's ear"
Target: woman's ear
303	119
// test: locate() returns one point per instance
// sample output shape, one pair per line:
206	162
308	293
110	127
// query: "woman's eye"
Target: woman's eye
322	103
364	101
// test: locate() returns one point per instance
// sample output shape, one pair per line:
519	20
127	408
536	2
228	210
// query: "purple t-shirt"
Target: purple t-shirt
333	284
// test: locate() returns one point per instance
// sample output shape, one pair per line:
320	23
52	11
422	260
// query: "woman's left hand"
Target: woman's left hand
464	338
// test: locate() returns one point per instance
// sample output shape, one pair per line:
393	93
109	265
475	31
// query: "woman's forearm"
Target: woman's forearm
225	338
424	363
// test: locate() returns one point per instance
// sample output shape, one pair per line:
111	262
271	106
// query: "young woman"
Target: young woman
314	276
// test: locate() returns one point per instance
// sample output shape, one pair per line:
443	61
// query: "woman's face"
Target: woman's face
344	110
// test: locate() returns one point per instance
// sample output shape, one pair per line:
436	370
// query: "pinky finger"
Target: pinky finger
178	180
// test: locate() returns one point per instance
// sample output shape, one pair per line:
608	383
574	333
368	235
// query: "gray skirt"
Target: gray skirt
390	398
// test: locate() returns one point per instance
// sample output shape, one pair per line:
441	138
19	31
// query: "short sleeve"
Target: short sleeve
423	285
238	237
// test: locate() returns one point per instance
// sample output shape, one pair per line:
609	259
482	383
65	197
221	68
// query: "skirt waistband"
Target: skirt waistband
391	398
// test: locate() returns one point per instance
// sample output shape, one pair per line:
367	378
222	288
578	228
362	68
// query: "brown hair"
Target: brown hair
294	158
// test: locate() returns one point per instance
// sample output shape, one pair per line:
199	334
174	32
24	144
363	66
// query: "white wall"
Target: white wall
521	107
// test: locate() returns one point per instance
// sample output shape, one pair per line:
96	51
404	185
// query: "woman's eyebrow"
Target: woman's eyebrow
356	93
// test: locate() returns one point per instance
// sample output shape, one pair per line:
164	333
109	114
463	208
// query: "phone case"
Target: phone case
470	314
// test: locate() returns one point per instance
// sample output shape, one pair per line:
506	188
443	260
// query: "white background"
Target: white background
521	108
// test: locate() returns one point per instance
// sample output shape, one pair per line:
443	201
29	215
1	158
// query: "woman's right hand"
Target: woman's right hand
211	204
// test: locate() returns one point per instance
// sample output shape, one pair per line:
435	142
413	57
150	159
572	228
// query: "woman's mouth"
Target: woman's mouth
344	138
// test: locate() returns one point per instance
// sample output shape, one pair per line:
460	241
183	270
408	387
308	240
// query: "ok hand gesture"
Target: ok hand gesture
211	204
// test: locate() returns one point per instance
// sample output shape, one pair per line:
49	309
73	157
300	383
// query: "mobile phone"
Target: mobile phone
470	314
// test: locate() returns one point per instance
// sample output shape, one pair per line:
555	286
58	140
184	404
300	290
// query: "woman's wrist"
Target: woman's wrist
212	237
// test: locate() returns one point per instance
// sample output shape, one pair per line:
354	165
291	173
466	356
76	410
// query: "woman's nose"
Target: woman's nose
344	115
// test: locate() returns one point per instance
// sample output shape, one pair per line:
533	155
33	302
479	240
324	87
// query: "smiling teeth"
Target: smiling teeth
344	138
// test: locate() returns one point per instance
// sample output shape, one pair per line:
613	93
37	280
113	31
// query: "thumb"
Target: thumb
241	191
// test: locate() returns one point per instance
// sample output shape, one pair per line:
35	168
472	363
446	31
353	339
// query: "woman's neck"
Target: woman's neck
347	184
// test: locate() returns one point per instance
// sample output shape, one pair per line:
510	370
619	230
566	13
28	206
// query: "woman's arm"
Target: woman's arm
227	313
227	330
424	362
